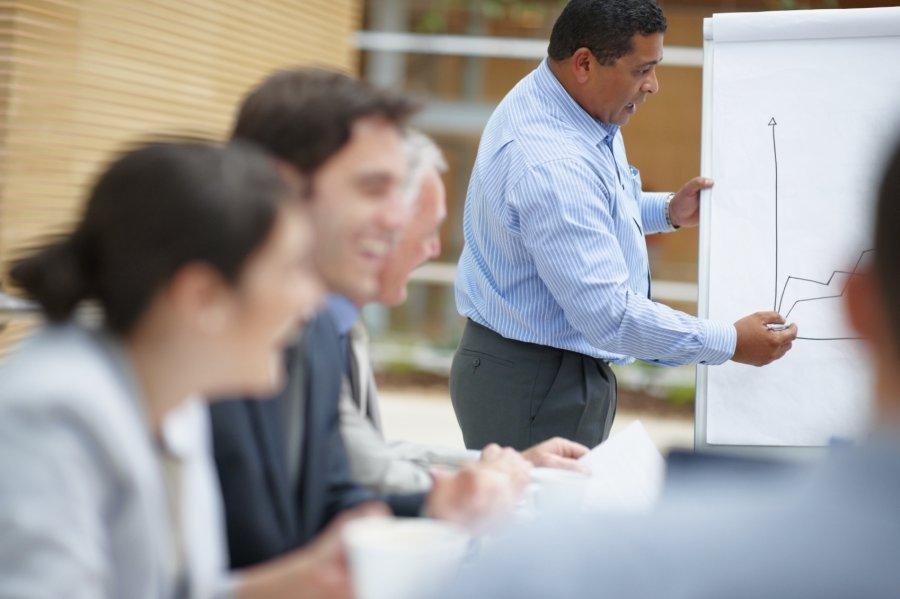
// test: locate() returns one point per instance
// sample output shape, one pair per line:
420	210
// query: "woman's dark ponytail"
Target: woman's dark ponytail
56	276
152	211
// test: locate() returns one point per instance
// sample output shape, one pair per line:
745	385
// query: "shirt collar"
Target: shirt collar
342	311
553	90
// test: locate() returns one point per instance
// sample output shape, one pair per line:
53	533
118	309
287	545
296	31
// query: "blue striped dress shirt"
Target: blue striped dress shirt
554	229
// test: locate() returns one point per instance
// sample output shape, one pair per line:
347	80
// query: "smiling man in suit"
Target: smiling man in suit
281	461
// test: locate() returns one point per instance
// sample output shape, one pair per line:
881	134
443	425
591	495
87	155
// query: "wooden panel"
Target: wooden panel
82	79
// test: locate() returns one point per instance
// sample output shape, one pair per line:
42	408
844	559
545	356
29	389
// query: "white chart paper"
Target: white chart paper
803	112
627	471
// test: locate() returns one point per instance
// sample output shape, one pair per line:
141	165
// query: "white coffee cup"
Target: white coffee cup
558	490
402	558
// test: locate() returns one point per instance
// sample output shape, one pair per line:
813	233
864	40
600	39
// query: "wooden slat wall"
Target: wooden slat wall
80	80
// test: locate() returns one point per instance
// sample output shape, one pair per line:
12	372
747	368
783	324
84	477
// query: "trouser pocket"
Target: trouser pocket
490	396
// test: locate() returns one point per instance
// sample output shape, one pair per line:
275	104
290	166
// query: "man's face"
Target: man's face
419	241
613	92
358	208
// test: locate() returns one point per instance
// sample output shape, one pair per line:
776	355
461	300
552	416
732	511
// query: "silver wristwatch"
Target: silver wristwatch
668	214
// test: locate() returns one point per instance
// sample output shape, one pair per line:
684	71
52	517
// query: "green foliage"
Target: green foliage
680	396
434	18
803	4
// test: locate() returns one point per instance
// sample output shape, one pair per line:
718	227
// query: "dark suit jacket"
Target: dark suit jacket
265	516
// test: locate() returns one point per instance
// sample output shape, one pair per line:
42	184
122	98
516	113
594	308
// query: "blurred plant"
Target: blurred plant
803	4
681	395
434	16
674	386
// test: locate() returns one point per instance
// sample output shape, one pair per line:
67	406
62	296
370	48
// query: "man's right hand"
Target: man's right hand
480	491
756	344
509	462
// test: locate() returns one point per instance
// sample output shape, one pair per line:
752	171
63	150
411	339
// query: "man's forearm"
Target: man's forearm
433	455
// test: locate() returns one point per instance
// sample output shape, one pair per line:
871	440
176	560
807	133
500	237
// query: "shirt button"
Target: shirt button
476	362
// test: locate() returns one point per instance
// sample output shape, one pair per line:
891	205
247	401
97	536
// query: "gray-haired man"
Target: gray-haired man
403	467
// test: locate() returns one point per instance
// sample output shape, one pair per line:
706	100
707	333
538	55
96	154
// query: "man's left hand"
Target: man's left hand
684	210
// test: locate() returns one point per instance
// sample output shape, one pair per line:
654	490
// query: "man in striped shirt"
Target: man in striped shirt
554	276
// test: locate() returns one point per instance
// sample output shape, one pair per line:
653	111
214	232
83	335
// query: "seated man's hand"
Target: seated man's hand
472	496
507	461
558	453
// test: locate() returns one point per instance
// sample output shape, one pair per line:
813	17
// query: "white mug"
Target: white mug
403	558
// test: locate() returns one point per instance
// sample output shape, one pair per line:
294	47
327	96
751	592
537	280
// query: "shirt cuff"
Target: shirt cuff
719	342
653	212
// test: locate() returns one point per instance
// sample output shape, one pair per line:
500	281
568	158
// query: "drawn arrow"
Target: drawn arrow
772	124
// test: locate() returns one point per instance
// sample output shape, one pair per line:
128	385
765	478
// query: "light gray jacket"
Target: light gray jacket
83	506
385	467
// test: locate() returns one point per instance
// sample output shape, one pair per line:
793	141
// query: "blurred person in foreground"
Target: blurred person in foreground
282	463
831	530
200	258
401	466
554	276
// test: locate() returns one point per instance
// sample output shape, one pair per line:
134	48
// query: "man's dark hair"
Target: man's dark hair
605	27
304	116
887	242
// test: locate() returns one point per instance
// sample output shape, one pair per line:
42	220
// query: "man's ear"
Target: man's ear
861	304
581	64
201	297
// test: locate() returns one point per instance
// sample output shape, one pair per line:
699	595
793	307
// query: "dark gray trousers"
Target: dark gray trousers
518	394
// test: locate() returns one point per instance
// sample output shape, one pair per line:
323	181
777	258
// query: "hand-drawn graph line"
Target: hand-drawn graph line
850	274
779	298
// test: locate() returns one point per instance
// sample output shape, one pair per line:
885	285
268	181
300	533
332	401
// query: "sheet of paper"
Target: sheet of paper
627	471
797	150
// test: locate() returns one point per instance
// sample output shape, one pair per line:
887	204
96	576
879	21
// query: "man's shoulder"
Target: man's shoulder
320	333
320	362
534	129
543	146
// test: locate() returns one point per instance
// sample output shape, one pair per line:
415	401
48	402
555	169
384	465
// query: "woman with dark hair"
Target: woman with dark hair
200	258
